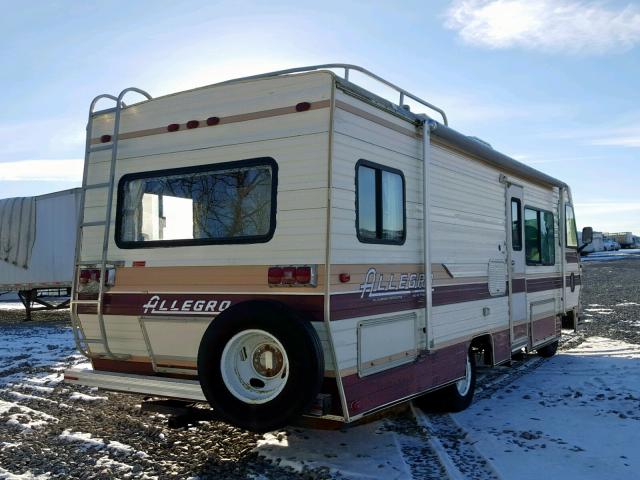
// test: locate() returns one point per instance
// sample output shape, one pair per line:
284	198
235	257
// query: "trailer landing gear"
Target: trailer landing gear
30	298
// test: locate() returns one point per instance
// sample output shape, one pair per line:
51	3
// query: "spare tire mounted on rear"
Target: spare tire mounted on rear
260	364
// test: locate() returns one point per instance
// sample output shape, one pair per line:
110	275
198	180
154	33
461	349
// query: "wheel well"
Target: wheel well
483	345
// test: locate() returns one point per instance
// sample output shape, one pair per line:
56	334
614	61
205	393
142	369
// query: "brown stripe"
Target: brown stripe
243	117
449	294
376	119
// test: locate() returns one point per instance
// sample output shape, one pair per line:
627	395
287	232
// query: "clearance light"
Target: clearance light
345	278
105	138
173	127
303	107
193	124
213	121
292	276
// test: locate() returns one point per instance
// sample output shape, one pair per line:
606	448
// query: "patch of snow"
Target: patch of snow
601	311
27	397
86	398
575	416
627	304
363	452
106	462
5	445
85	440
7	475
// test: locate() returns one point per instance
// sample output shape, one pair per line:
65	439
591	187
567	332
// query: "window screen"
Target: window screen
571	236
516	224
224	203
380	196
539	237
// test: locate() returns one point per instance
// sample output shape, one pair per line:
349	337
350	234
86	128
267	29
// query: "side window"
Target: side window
571	237
380	208
540	247
516	224
531	236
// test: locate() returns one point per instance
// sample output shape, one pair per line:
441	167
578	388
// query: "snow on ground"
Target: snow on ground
622	254
577	416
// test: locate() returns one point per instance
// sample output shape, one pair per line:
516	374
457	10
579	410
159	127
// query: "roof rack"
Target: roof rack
347	68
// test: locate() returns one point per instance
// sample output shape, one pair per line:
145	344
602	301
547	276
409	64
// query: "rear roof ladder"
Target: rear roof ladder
82	342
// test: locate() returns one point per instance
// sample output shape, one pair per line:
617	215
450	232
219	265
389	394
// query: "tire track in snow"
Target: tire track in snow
455	452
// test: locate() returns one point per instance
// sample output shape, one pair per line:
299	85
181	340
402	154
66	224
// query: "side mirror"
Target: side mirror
587	235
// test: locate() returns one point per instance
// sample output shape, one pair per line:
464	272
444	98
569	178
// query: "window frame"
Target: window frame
378	210
541	263
520	217
211	167
575	228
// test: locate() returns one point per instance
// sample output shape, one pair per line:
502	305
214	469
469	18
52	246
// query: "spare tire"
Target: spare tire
260	364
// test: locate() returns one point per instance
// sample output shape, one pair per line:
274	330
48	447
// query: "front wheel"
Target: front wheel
260	364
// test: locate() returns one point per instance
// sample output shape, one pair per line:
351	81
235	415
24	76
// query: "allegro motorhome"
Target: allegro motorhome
291	243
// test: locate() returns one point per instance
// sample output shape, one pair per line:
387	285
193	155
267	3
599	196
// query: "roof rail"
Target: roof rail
347	68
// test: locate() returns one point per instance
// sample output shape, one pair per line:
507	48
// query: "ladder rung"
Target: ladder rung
99	148
94	340
93	224
85	302
97	185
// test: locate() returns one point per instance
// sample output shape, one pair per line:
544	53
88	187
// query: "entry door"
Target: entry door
517	290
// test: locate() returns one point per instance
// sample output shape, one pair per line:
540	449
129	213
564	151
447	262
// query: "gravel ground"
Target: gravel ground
611	299
77	432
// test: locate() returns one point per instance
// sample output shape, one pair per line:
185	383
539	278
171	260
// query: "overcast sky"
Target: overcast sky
554	84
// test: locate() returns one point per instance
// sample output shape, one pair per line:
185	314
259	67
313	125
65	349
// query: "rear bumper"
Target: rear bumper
142	384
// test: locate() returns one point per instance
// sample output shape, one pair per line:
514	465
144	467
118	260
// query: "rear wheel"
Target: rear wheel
260	364
548	350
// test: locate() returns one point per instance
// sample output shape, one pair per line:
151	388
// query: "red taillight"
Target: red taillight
89	275
303	275
292	275
275	276
193	124
289	275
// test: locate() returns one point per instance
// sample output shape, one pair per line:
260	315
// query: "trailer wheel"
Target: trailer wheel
260	364
455	397
548	350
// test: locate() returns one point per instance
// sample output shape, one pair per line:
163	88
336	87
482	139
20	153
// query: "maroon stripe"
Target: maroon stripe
542	284
351	305
543	328
519	285
427	372
501	346
446	295
133	303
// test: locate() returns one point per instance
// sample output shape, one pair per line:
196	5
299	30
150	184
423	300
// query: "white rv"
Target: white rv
291	243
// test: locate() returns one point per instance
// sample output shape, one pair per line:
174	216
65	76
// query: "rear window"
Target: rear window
232	202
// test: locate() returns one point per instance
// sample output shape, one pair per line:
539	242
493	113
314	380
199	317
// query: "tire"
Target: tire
260	364
549	350
455	397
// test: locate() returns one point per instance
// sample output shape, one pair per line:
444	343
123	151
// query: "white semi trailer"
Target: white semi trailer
37	246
